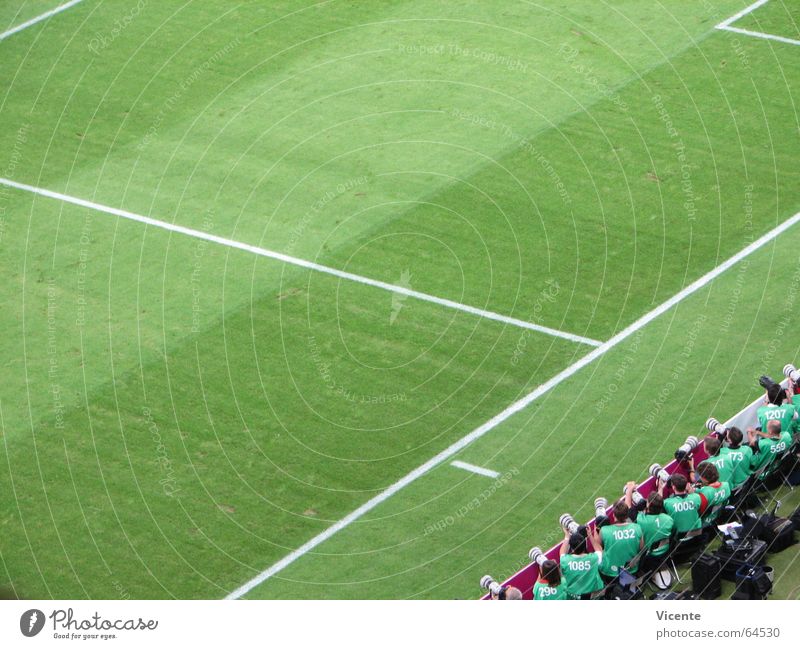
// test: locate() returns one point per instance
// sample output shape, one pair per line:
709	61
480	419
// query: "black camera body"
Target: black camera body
685	449
766	382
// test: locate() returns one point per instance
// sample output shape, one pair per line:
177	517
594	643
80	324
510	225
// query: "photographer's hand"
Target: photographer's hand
630	486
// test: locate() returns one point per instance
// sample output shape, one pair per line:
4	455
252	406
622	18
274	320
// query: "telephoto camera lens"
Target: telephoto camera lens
687	447
714	426
600	516
791	372
488	583
637	499
537	556
657	471
600	506
568	524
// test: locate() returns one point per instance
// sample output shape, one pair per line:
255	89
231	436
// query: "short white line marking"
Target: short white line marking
515	407
770	37
474	469
263	252
38	19
742	13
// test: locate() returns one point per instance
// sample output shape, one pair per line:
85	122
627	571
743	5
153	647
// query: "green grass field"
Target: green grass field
177	415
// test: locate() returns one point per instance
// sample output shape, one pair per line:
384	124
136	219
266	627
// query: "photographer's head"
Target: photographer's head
776	394
708	473
774	428
712	445
577	543
621	512
735	437
512	593
679	482
655	503
551	572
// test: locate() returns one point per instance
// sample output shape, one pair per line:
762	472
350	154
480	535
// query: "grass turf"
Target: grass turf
177	416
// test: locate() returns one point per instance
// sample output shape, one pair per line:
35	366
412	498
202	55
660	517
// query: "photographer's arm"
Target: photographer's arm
564	549
629	489
594	537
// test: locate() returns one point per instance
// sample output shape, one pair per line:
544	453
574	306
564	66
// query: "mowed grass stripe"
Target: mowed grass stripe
656	193
244	439
180	166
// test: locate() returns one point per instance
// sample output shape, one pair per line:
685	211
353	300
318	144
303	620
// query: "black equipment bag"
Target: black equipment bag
752	526
617	591
752	582
778	533
734	554
624	587
706	576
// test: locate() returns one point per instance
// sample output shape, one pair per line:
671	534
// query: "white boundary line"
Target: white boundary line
726	25
770	37
263	252
38	19
741	14
515	407
475	469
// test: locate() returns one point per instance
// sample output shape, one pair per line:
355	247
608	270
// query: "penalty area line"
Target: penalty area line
726	25
769	37
749	9
514	408
302	263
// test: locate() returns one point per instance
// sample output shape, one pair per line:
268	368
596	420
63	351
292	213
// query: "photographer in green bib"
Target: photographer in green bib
718	456
580	568
684	506
620	542
655	523
716	491
777	406
739	456
767	447
549	585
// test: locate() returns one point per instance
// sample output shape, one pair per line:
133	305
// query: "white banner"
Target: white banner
388	624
